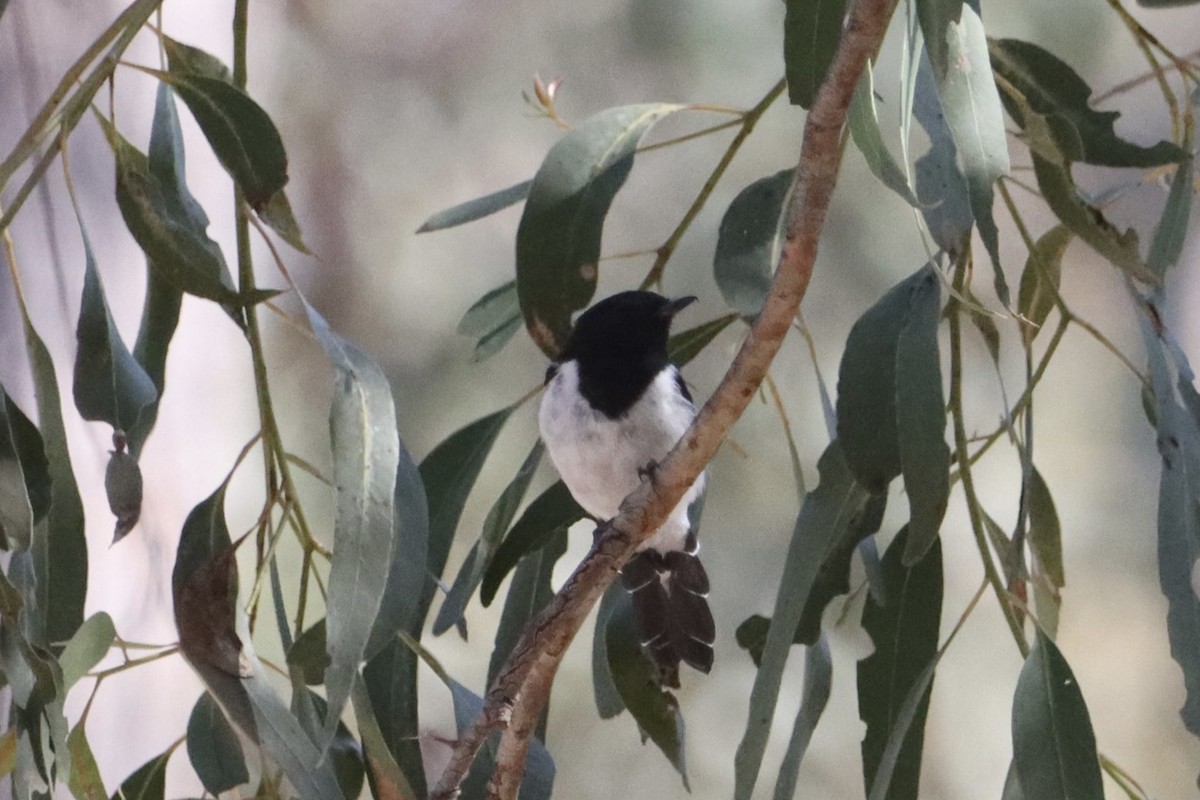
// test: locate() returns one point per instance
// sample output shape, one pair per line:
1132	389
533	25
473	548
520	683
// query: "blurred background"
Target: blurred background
394	110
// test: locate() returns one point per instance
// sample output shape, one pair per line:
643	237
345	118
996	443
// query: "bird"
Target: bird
613	406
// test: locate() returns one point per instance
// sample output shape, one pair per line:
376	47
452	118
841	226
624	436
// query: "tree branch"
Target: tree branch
522	686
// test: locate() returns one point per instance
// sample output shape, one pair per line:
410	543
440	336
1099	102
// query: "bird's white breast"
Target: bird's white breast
600	458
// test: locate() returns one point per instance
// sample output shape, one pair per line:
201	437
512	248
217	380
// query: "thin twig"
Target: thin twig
521	685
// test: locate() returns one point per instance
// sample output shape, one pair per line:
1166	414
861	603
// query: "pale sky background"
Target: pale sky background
394	110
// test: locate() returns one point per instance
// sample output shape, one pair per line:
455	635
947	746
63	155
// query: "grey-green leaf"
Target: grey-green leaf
183	59
818	684
682	347
558	239
214	748
366	445
123	486
552	511
935	17
148	782
635	676
868	138
87	647
1054	748
905	634
24	476
812	30
493	320
748	243
921	416
1056	92
941	186
529	593
825	514
1040	279
478	208
608	700
1167	245
109	384
277	213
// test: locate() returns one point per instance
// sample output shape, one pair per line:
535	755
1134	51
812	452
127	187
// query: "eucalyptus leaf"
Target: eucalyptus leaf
148	782
1041	278
478	208
905	634
608	700
529	593
183	59
682	347
277	213
812	30
84	780
214	749
390	680
749	241
24	476
863	121
826	512
366	445
1054	748
818	684
386	779
935	17
941	187
552	511
87	647
558	238
493	320
123	487
1169	236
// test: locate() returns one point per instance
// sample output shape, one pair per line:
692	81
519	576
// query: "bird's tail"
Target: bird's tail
670	609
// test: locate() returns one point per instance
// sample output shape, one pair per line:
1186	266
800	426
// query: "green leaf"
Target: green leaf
24	476
183	59
905	634
751	636
240	132
1167	245
386	779
366	444
1045	532
59	547
682	347
914	702
390	678
492	320
818	683
637	681
812	30
608	700
344	751
1012	784
558	239
277	213
529	593
87	647
109	384
1056	92
310	654
1178	437
214	749
825	514
935	17
1054	748
148	782
552	511
972	107
84	781
1041	278
921	417
165	228
499	517
864	130
478	208
748	243
1087	222
123	486
941	186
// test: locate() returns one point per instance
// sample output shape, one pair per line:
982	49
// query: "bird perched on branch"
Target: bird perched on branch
613	406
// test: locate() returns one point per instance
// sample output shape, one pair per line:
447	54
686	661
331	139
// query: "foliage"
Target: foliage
396	520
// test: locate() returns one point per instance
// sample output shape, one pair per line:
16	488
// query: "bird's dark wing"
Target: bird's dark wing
551	371
679	382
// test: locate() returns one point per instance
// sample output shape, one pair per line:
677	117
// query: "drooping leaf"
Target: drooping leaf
751	636
748	243
386	779
921	417
972	107
390	679
552	511
1054	749
499	517
818	684
84	781
529	593
863	122
123	486
366	444
344	751
1045	531
1169	236
935	18
240	132
87	647
183	59
558	239
608	700
109	384
682	347
478	208
59	547
148	782
277	213
493	320
1087	222
941	186
1056	92
310	654
636	678
1041	278
826	513
214	748
24	476
812	30
905	634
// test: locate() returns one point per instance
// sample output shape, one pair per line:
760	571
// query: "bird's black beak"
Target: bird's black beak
678	304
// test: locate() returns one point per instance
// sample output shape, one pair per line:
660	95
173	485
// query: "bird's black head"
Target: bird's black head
621	345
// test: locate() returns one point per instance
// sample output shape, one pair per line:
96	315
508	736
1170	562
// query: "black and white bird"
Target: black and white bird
613	406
